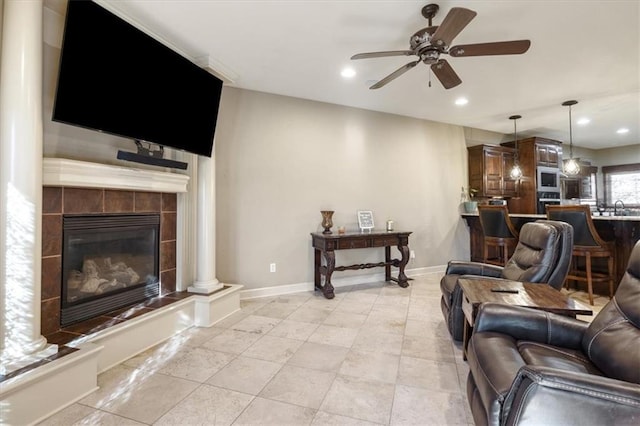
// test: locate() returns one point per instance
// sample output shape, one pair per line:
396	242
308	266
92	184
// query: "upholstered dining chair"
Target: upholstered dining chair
543	255
587	244
498	231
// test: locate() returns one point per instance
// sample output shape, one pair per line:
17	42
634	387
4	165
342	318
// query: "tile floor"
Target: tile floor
377	354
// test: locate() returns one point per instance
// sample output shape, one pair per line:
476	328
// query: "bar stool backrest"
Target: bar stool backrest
578	216
496	223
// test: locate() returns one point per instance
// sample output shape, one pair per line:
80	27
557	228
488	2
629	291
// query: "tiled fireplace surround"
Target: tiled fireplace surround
78	187
58	201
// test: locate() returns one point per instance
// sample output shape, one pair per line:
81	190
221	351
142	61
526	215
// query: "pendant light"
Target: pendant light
516	171
571	167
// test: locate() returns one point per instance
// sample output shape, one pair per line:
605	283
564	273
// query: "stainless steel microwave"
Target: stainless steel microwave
548	179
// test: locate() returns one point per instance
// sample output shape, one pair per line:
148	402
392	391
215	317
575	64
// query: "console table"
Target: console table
325	246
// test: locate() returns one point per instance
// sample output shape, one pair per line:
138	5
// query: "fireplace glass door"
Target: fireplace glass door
109	262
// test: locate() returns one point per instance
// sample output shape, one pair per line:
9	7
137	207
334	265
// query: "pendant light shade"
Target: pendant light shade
571	167
516	171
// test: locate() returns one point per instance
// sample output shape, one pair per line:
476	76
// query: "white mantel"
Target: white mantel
82	174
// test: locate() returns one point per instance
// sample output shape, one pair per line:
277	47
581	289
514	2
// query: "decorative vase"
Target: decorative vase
470	206
327	220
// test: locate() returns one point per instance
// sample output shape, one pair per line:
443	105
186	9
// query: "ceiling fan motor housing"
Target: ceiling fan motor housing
422	37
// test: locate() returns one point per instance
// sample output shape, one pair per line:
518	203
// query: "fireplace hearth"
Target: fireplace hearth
109	261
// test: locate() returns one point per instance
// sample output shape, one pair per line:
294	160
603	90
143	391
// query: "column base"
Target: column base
11	365
205	287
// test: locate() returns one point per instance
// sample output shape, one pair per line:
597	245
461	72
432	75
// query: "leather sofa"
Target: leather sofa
532	367
542	255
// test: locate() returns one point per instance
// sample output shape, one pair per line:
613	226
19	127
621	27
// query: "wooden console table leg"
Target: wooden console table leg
330	259
402	278
387	260
316	270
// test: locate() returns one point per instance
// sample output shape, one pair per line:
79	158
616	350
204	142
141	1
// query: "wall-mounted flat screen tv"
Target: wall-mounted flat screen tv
116	79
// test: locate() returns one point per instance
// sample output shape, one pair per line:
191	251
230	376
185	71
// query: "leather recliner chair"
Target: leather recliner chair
530	367
543	255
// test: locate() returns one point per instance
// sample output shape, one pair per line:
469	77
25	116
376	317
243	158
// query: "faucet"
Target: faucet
615	207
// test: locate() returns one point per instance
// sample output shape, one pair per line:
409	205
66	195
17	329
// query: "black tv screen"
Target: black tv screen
116	79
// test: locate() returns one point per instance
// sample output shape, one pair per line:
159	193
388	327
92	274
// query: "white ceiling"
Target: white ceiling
583	50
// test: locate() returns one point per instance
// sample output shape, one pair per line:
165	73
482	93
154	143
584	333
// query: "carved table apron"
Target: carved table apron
325	245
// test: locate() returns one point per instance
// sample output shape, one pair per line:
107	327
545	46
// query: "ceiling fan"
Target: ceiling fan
431	42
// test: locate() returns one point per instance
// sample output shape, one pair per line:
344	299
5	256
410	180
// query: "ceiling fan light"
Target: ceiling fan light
571	167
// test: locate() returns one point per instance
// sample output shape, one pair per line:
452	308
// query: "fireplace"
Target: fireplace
109	261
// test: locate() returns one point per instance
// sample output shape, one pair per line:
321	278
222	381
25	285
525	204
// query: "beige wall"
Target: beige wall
281	160
616	156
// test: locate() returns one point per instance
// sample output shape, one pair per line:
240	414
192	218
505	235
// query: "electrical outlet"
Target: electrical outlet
272	267
412	254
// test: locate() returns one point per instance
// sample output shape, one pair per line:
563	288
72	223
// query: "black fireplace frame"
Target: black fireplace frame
94	306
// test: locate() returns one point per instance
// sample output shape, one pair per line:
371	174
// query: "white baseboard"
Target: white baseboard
337	282
438	269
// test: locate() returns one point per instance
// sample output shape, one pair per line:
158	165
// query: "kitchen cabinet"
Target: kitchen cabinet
582	186
547	155
489	167
533	152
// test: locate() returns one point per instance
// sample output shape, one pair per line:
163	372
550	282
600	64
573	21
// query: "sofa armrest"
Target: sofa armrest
553	396
530	324
459	267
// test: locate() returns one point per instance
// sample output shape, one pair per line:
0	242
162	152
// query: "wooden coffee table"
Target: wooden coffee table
476	291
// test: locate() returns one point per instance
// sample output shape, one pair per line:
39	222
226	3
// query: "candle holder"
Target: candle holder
327	220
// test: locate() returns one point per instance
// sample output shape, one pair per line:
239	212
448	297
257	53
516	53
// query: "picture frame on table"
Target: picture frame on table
365	220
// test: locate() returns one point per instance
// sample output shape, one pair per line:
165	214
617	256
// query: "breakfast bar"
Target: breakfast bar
624	230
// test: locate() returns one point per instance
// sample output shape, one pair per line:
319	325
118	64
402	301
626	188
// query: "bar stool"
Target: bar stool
498	232
586	243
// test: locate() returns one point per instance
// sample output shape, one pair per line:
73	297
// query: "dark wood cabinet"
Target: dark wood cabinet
571	188
489	167
583	186
532	153
548	155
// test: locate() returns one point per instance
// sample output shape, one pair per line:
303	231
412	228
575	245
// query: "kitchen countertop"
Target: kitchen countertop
542	216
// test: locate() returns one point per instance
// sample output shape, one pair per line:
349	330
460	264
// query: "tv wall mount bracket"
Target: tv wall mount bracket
153	157
149	152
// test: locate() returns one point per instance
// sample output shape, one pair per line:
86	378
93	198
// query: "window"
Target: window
622	183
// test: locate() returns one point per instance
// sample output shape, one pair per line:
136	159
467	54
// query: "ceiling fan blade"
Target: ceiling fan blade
445	74
453	23
515	47
383	54
397	73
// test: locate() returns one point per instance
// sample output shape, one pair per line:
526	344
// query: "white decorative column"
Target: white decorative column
206	281
21	136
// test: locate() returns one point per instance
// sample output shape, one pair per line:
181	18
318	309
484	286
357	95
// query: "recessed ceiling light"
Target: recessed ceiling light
583	121
348	73
462	101
622	130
